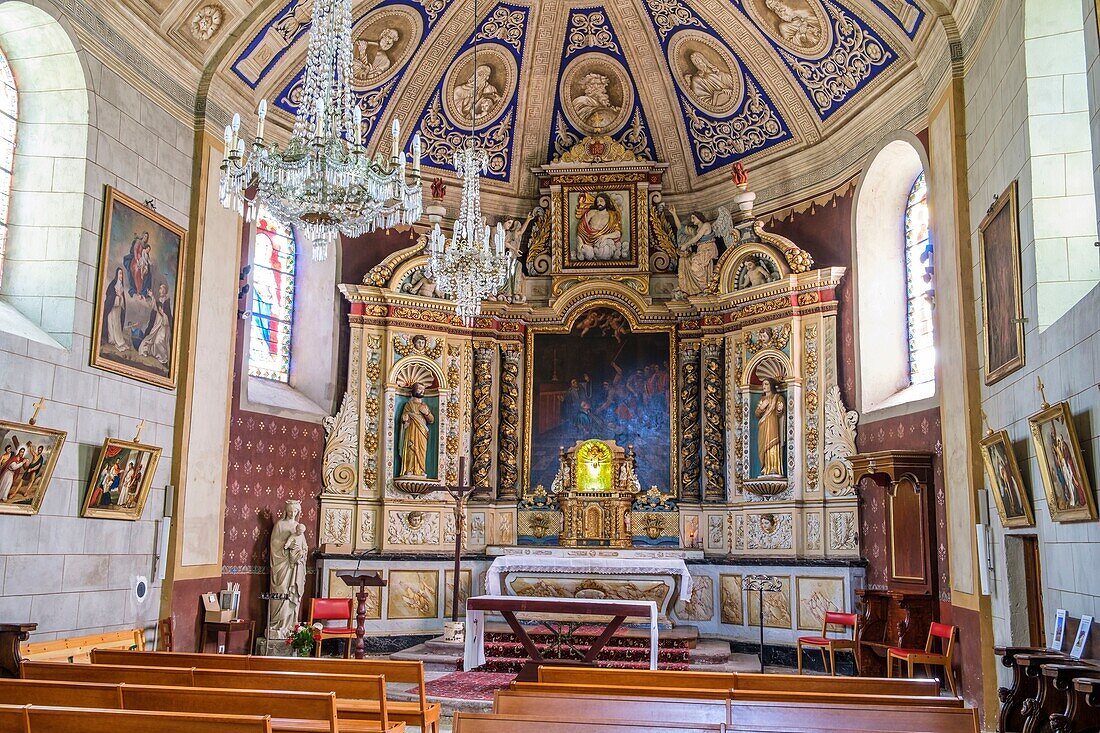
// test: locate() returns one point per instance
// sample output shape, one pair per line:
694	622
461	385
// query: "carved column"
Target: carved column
689	423
508	434
481	448
714	423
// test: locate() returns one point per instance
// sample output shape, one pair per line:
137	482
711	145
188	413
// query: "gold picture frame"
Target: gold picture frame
138	288
30	452
119	484
1002	299
1005	481
1065	479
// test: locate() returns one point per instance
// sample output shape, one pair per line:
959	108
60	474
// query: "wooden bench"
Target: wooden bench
611	707
297	712
419	712
624	678
89	720
493	723
786	716
361	697
79	648
685	693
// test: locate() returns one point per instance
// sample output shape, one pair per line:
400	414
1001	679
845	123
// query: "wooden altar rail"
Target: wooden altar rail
1044	695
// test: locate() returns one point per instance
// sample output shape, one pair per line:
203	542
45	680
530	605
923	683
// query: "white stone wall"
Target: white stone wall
73	575
1001	142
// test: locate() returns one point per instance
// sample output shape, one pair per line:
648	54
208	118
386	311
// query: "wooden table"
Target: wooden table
227	628
509	606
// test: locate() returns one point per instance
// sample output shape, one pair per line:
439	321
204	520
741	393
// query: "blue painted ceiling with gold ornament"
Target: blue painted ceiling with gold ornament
699	84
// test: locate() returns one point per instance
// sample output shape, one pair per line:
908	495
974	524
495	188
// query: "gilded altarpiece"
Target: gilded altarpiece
725	399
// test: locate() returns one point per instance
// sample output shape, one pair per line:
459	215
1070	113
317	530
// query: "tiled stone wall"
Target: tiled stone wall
1064	353
73	575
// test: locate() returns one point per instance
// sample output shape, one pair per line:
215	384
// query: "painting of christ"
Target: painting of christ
120	481
1002	305
1069	493
28	455
606	381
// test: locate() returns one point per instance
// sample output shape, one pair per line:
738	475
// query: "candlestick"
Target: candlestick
261	114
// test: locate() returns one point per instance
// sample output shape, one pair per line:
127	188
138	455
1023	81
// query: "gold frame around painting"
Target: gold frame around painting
999	439
1007	204
132	512
98	358
1085	511
41	482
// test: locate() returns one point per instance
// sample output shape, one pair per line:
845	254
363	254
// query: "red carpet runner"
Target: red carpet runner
627	649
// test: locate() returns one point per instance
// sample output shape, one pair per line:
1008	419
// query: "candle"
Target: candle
261	114
416	154
228	136
357	116
320	130
395	131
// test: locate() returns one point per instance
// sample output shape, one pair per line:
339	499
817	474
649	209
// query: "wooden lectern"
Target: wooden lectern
360	581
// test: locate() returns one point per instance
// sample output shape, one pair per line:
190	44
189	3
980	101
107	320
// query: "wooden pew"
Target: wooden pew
785	716
112	674
685	693
611	707
13	718
91	720
1024	686
1083	709
736	680
493	723
298	712
1055	693
79	648
420	712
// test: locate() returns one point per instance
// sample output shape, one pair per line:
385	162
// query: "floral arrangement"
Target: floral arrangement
303	637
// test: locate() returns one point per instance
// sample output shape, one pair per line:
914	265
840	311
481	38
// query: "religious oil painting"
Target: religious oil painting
1002	304
706	72
601	380
413	594
337	588
777	607
26	465
816	597
596	93
479	93
382	43
1013	502
137	293
730	595
601	229
121	479
1069	493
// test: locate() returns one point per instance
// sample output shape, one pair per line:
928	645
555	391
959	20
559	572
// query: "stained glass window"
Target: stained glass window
273	262
9	112
918	283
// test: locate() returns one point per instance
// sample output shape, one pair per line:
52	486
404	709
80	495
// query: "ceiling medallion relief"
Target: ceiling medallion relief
206	21
596	93
706	73
800	26
383	43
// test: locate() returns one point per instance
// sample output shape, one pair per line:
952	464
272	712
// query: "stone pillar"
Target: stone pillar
689	422
508	432
481	448
714	423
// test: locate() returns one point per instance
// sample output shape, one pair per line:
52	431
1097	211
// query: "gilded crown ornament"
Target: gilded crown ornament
323	182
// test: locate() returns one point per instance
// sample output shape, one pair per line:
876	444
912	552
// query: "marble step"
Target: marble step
436	654
710	651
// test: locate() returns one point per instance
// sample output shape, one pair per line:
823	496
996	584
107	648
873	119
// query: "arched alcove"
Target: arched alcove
882	337
40	294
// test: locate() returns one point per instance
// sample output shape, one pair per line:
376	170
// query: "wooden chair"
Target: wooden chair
946	634
332	609
823	642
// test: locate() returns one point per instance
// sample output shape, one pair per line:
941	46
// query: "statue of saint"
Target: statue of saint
698	251
416	416
288	571
599	229
770	411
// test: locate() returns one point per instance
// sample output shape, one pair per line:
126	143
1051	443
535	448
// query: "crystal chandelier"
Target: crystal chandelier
469	268
323	182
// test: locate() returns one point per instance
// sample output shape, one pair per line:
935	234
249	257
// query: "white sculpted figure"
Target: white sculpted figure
708	83
371	58
800	27
698	251
599	229
288	571
477	97
593	105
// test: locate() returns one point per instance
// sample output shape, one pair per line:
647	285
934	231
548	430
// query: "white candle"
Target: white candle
261	114
416	154
228	136
320	131
395	131
357	117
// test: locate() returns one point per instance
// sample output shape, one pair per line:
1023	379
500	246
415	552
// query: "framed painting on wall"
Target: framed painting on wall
120	483
135	332
28	454
1013	502
1002	301
1069	494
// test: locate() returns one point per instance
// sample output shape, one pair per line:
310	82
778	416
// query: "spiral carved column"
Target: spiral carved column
689	423
481	448
508	434
714	422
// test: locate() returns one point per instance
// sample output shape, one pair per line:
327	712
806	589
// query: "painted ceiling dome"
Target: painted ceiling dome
697	84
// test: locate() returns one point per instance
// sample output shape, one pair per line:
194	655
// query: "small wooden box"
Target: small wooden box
214	613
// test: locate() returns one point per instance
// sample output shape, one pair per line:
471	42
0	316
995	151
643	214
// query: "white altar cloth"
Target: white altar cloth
596	565
474	652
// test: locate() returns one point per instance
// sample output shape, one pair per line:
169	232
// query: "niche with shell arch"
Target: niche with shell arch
767	393
756	267
416	377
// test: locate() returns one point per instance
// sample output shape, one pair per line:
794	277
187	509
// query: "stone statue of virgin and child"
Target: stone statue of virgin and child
289	553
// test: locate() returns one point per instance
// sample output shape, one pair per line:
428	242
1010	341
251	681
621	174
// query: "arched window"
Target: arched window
9	114
918	285
273	265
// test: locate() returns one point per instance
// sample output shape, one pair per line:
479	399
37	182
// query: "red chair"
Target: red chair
946	634
332	609
840	622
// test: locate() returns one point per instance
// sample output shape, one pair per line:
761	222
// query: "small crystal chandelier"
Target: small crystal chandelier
323	182
469	268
